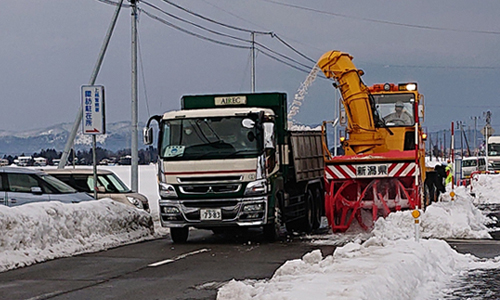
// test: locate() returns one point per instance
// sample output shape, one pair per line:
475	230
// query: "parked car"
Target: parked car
109	185
22	185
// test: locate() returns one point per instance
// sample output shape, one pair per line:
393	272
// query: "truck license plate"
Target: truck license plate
210	214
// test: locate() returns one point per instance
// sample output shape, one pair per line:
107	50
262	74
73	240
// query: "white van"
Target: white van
471	164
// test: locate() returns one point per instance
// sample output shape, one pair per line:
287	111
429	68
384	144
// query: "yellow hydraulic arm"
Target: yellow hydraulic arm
364	136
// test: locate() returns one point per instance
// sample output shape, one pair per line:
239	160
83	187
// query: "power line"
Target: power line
192	33
222	34
293	49
229	26
283	62
282	55
193	24
225	35
383	21
443	67
288	45
142	73
213	21
257	25
113	3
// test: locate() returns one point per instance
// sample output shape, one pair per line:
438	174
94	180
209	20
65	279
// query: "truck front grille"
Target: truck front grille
210	204
209	179
229	208
210	189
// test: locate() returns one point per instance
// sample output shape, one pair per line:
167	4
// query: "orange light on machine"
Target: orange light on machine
410	86
424	136
342	139
379	87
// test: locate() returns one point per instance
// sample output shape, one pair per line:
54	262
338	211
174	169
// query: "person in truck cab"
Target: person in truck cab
399	116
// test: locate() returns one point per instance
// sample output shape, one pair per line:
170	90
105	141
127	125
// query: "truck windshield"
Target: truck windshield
396	109
209	138
494	149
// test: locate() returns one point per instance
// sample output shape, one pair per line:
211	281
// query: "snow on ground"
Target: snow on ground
385	263
41	231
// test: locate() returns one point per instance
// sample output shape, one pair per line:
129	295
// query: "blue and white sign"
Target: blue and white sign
93	119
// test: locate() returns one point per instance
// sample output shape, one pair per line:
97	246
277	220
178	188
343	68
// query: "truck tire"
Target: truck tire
272	231
427	197
179	235
308	219
317	212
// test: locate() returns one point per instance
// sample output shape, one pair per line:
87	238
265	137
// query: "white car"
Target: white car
471	164
22	185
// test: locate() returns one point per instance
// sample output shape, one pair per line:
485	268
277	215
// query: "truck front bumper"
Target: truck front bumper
251	211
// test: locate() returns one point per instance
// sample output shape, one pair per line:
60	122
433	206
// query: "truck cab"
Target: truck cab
224	161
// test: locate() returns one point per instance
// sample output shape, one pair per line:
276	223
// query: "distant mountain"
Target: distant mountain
55	137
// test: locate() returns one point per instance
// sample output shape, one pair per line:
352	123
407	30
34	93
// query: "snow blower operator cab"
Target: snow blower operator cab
383	169
229	161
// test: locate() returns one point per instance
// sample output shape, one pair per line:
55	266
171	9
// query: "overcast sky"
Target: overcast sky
49	49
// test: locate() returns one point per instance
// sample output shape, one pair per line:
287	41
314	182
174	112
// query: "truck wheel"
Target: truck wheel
308	219
427	196
317	209
272	231
179	235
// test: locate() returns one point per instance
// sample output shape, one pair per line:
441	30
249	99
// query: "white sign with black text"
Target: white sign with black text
93	119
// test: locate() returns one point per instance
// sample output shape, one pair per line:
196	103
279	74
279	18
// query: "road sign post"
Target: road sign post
93	119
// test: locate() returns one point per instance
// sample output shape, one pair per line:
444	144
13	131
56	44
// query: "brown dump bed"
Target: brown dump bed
307	154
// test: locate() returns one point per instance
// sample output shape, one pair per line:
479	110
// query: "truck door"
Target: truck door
22	189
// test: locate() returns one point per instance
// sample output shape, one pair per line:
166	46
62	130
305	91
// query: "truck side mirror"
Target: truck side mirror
420	111
147	135
421	108
269	135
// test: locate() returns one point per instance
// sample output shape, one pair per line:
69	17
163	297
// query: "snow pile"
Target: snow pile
485	188
385	264
41	231
376	269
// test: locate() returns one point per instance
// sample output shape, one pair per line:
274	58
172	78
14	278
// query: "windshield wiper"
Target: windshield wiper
238	152
202	155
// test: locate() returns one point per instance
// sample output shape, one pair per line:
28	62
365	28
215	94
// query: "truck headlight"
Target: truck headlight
167	190
136	202
171	210
255	207
258	187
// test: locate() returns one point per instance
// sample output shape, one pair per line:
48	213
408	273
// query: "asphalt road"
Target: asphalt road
155	269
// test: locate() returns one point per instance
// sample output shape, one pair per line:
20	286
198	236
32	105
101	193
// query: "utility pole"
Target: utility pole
475	118
253	61
445	151
460	127
134	147
97	67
